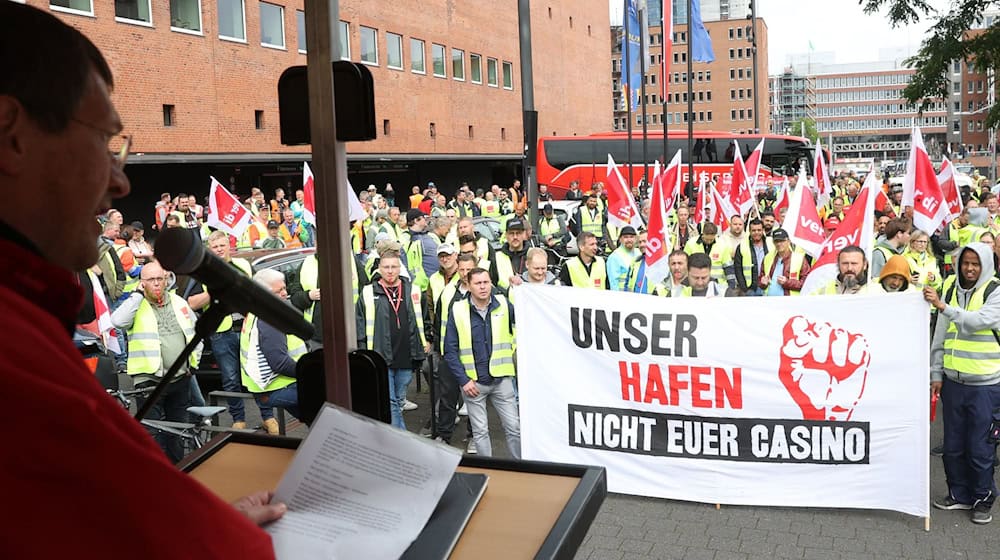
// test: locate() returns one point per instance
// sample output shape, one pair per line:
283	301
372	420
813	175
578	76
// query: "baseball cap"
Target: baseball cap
138	226
779	235
431	184
832	222
515	224
446	249
627	230
413	215
547	208
372	188
272	224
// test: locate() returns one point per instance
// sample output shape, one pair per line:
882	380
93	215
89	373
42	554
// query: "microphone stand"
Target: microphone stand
205	326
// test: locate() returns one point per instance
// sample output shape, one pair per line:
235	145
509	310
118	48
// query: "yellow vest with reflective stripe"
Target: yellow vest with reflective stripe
505	269
549	226
592	225
250	367
977	353
447	294
309	280
415	261
144	337
720	254
924	265
438	283
227	323
490	209
502	353
368	295
578	276
794	266
747	253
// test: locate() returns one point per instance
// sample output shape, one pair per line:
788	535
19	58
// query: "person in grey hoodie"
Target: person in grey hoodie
965	372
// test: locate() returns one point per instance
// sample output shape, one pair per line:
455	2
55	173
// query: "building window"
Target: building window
732	114
258	119
956	67
732	73
433	130
458	64
272	25
168	115
344	39
385	127
749	93
503	131
300	28
508	75
970	126
476	68
232	20
417	63
709	116
732	54
742	114
955	127
185	15
471	134
731	34
708	95
73	6
732	94
369	45
491	72
972	86
394	51
437	60
133	11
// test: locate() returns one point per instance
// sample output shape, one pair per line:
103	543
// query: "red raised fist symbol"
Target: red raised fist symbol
823	368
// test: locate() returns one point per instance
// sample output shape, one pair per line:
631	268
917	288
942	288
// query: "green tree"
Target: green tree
947	40
795	129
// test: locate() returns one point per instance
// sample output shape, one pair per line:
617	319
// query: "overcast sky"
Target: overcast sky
832	25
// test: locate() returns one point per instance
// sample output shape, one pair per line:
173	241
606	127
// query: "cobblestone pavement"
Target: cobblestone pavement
635	528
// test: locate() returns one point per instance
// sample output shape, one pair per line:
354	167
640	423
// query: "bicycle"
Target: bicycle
193	435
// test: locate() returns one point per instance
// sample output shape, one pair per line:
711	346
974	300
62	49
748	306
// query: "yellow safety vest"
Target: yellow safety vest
924	265
795	266
746	256
491	209
447	294
502	353
438	284
309	280
415	261
977	353
592	225
688	291
250	366
549	227
130	283
227	323
962	236
144	337
505	269
578	276
368	296
721	254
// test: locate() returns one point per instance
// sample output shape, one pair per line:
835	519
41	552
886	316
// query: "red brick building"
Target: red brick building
196	84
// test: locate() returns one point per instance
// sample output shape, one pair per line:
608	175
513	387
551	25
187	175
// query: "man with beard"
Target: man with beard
622	258
853	275
965	372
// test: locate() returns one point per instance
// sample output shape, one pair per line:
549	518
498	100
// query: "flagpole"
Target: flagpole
628	101
664	75
690	100
642	99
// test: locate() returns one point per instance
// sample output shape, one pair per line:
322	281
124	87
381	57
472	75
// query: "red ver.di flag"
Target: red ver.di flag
226	213
921	188
802	220
622	210
949	189
658	246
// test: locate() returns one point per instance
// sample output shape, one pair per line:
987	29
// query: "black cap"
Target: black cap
779	235
413	215
547	208
627	230
138	226
515	224
272	224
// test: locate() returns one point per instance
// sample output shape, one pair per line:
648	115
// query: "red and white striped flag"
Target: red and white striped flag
225	212
824	188
802	220
739	193
752	165
659	243
722	210
782	201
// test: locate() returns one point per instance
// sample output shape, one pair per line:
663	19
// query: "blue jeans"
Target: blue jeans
399	380
754	292
286	397
968	454
226	349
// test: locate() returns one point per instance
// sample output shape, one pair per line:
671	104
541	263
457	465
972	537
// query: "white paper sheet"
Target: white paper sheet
358	489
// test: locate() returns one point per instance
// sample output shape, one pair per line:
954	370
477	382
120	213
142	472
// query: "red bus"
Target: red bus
563	159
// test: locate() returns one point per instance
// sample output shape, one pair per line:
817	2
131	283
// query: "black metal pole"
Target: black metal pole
628	100
645	130
690	102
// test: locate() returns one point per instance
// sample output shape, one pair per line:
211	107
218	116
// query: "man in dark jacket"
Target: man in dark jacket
390	322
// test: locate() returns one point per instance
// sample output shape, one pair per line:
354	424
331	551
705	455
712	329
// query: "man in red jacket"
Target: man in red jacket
84	478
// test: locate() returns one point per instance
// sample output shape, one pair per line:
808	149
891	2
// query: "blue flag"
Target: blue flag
699	41
632	69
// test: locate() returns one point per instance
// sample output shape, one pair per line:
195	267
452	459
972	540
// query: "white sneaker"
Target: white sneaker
463	411
471	449
409	405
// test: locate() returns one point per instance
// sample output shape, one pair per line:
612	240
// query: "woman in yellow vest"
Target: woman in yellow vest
268	357
923	264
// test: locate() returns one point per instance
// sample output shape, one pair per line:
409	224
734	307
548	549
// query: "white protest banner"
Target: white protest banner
813	401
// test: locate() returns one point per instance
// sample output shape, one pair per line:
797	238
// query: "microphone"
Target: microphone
180	250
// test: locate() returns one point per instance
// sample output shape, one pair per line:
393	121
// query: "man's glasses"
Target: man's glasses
155	280
119	145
